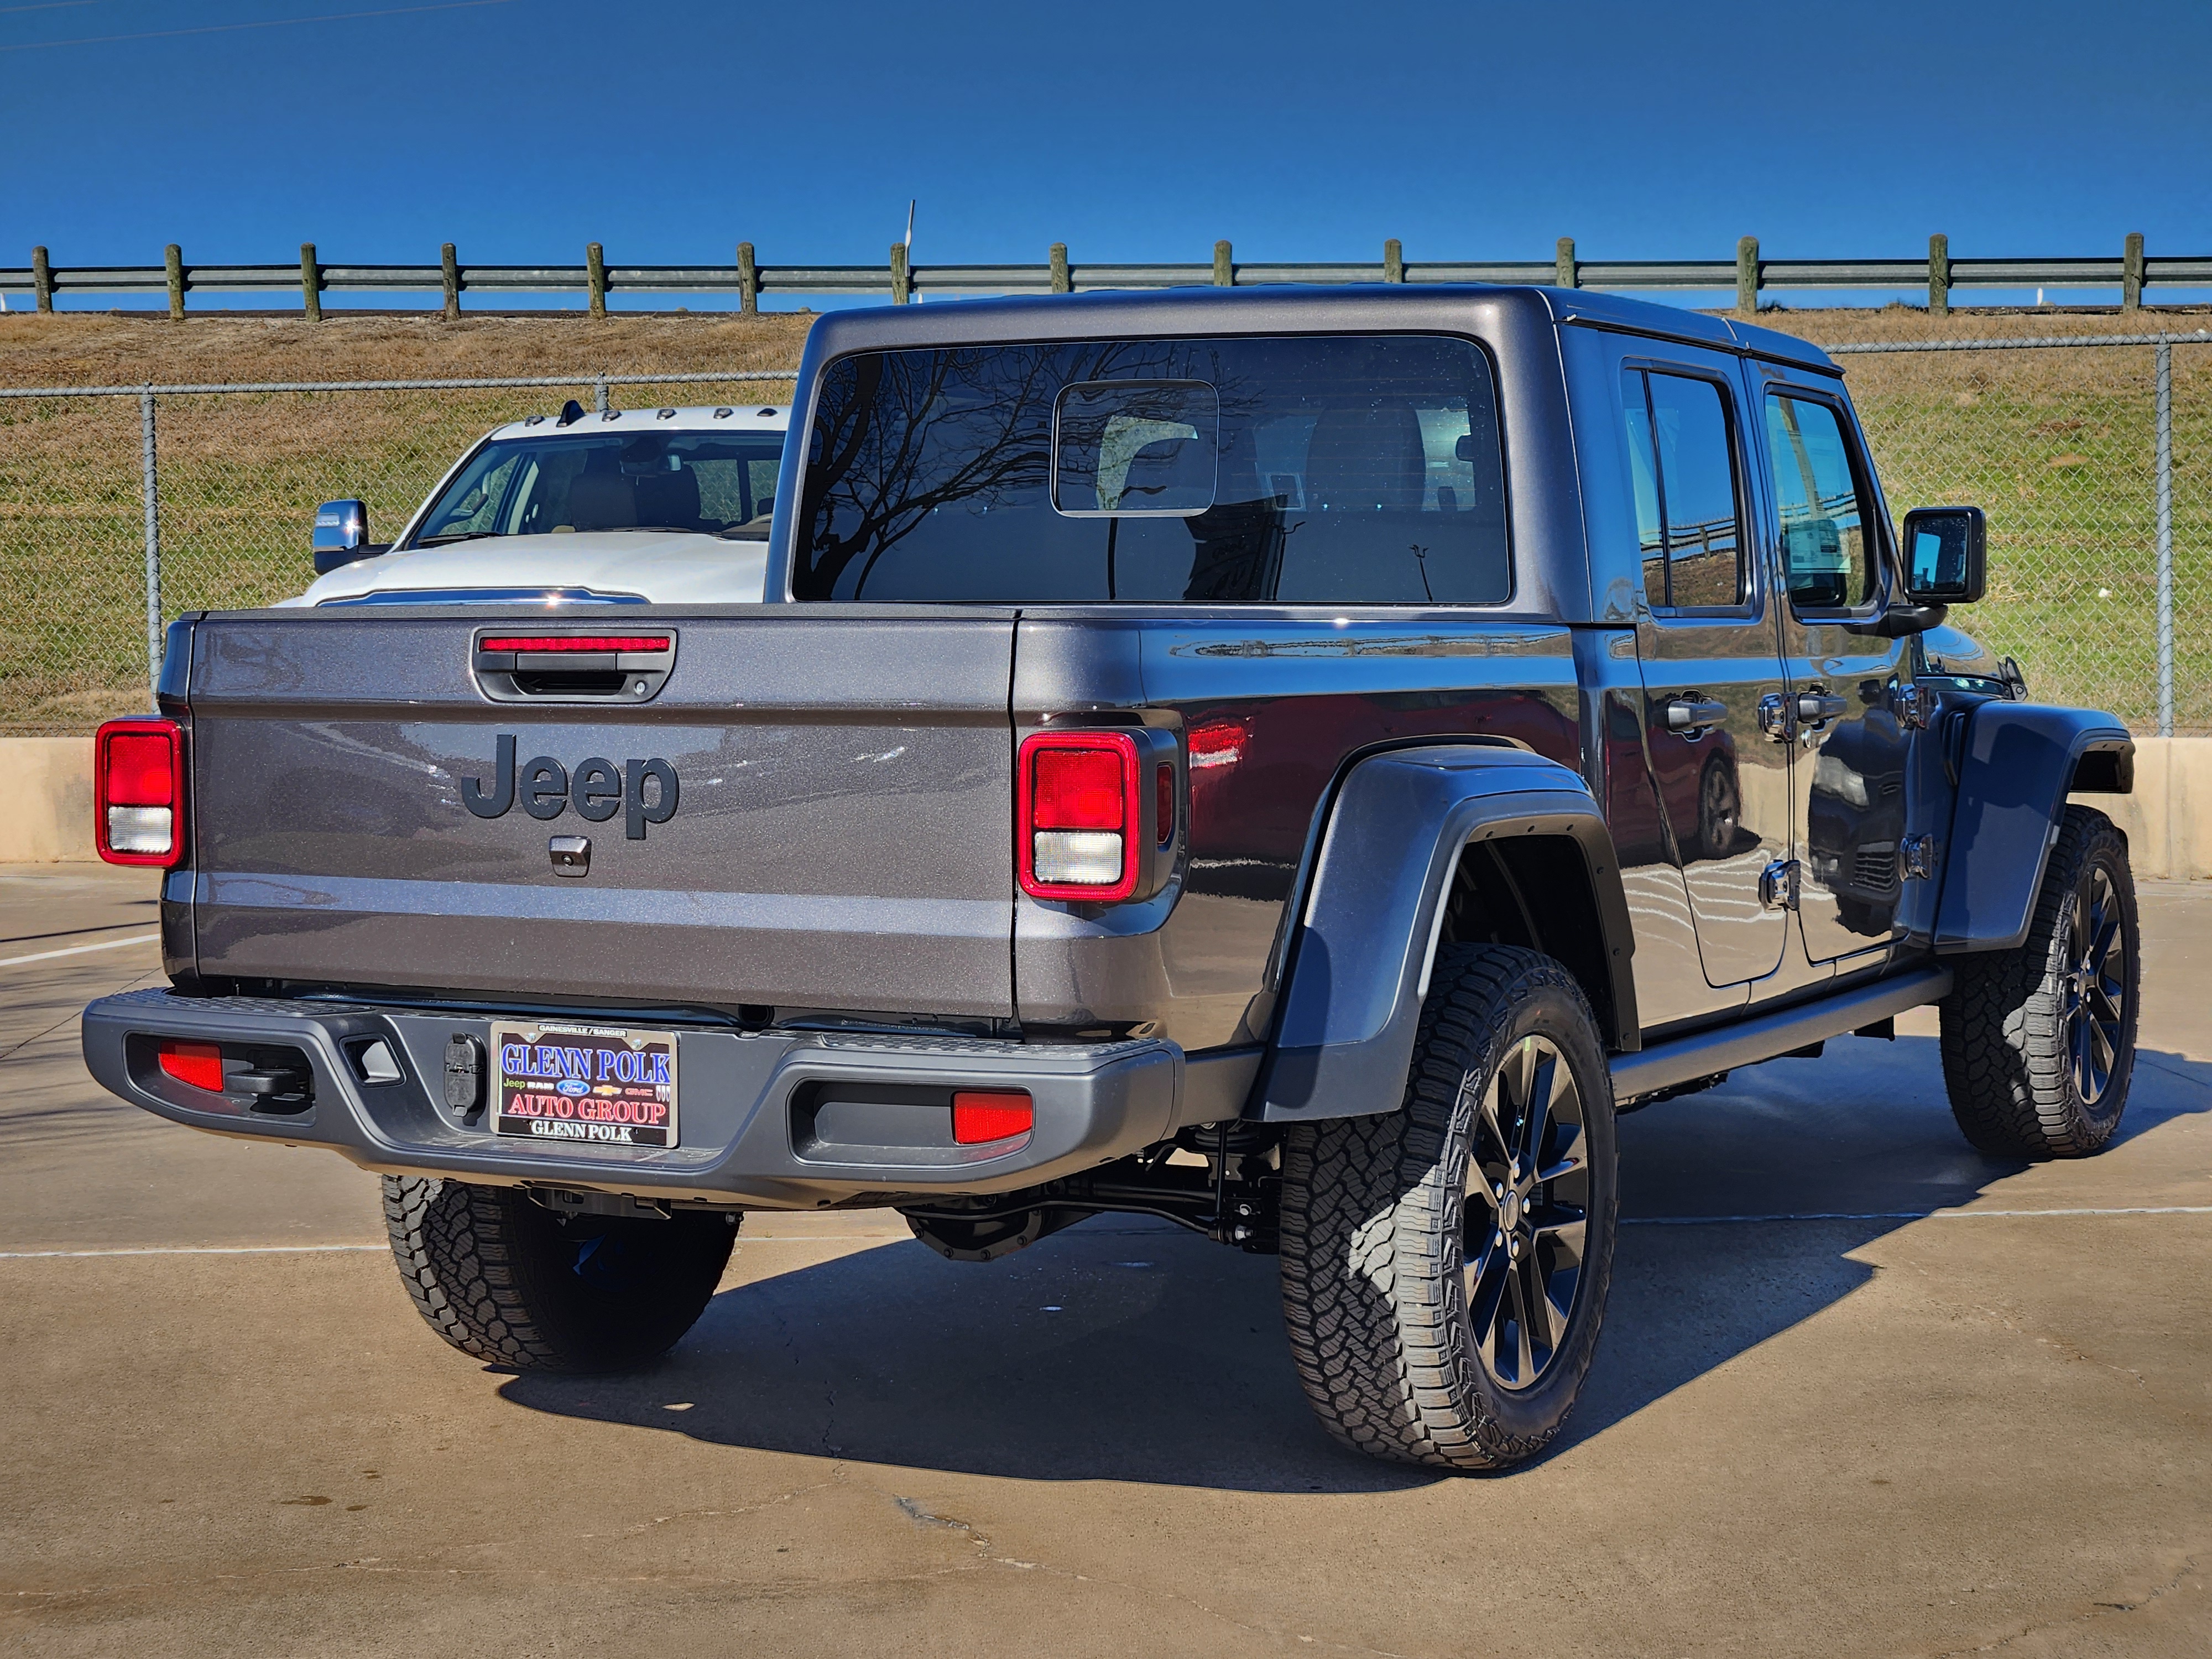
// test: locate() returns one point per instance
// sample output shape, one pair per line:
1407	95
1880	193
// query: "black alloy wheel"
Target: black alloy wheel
1527	1213
2094	991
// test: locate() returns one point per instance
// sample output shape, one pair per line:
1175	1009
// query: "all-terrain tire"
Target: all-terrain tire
507	1280
1379	1218
2015	1019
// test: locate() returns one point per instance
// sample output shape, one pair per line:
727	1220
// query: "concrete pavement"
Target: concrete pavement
1971	1409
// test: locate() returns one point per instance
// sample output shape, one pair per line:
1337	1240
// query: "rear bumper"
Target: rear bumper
753	1128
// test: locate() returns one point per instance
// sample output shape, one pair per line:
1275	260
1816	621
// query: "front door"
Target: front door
1851	704
1711	657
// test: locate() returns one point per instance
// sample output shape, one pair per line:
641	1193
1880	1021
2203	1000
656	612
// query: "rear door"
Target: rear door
1711	652
811	812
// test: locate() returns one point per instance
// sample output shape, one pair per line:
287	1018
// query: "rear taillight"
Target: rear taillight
1077	815
138	792
979	1116
199	1064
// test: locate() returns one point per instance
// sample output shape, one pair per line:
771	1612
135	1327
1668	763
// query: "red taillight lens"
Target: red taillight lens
1076	815
1078	789
199	1064
142	769
985	1115
138	792
1163	802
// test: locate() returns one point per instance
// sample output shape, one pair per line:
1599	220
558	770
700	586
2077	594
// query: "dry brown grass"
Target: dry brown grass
115	348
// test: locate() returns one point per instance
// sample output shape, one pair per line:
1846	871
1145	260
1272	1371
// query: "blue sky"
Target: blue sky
668	130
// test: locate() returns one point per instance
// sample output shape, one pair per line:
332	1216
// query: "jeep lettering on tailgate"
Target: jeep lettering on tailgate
595	789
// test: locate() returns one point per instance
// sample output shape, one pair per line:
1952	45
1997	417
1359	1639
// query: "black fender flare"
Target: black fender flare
1361	955
2016	767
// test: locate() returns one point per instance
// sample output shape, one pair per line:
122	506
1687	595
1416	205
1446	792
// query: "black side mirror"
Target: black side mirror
1945	556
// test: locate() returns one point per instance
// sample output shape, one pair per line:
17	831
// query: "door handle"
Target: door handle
1819	708
1694	714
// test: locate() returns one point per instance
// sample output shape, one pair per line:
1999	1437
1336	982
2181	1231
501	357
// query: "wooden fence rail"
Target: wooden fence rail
1749	274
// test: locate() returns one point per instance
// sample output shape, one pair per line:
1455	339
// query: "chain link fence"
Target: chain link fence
2092	455
123	507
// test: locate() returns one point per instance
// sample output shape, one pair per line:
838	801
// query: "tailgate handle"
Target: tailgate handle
569	665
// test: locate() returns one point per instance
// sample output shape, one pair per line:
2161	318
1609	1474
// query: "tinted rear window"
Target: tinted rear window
1348	471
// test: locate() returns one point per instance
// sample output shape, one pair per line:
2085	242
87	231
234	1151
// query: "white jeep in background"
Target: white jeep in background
655	506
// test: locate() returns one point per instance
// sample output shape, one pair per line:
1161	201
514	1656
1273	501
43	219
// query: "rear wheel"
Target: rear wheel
507	1280
1445	1267
2039	1042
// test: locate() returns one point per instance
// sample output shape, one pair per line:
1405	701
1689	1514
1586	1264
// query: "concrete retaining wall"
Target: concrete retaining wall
45	799
46	803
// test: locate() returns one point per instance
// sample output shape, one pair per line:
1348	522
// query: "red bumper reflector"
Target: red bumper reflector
985	1115
578	642
199	1064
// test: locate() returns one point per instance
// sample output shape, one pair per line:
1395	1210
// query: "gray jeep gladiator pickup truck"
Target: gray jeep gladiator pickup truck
1293	762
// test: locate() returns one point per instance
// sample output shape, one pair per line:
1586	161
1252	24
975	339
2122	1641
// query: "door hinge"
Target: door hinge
1778	885
1777	718
1913	705
1918	853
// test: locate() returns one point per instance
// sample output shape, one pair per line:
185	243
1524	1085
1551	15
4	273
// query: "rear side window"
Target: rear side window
1824	546
1348	471
1682	461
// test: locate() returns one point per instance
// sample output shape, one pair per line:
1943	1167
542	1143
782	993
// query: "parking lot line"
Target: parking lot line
1906	1215
79	950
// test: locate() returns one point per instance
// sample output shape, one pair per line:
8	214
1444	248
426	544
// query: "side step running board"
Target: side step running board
1666	1064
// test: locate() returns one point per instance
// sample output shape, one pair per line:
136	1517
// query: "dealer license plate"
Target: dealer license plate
589	1085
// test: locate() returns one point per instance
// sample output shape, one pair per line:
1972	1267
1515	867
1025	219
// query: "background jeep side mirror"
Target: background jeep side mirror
1945	560
342	535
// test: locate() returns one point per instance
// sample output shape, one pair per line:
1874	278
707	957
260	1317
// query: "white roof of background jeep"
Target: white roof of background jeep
725	417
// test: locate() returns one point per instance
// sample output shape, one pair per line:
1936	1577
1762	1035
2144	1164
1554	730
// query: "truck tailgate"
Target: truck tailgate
840	836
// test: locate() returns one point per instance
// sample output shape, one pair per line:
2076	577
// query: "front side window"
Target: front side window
1827	549
706	484
1324	470
1681	462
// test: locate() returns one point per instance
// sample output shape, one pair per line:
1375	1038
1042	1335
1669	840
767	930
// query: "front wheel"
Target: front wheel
503	1278
1444	1267
2039	1042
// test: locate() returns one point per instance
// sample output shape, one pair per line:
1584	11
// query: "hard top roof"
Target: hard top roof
720	417
1290	308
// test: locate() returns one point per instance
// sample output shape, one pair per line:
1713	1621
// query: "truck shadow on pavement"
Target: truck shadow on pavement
1125	1350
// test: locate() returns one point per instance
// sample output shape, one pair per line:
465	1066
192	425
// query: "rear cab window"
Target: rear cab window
1314	470
1688	498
